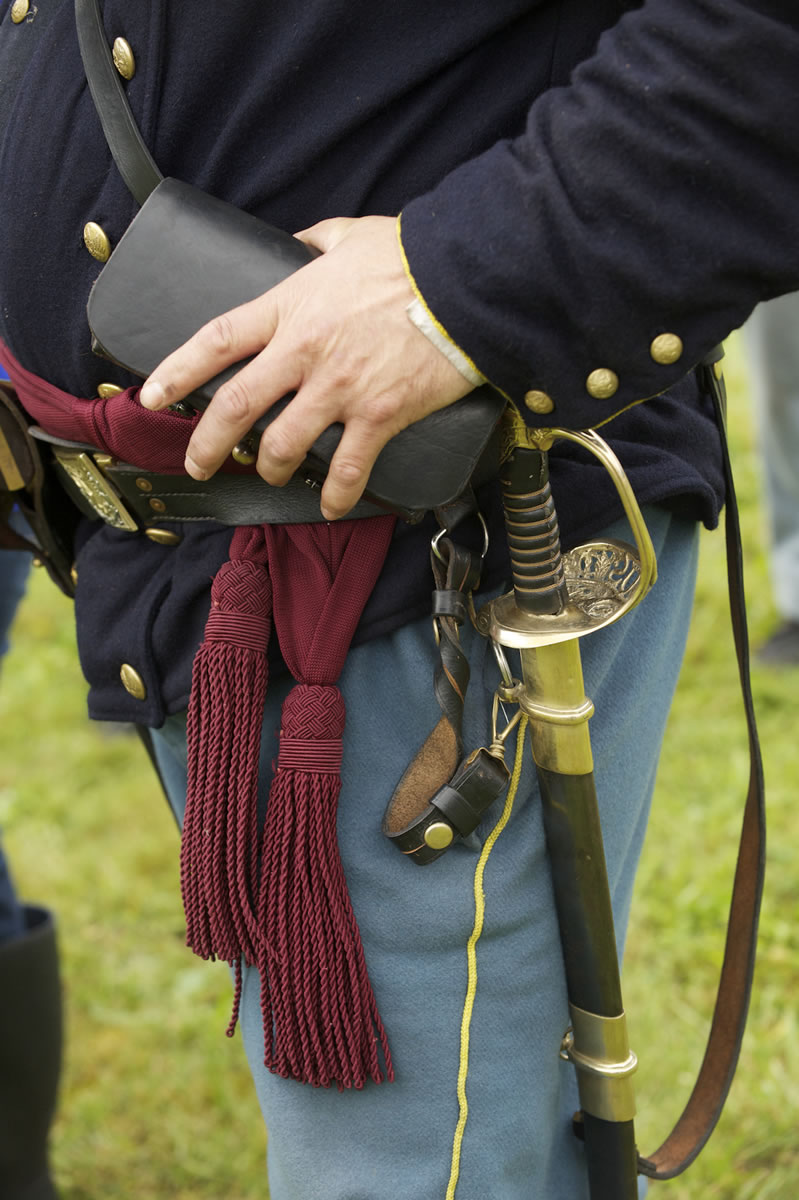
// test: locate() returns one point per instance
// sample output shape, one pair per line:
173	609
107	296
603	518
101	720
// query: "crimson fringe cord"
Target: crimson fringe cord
220	834
320	1015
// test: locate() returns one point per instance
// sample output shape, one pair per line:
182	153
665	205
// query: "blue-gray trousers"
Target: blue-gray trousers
396	1140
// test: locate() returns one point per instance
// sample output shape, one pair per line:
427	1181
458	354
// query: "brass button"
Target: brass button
73	574
96	241
666	348
157	506
244	453
144	485
602	383
123	58
163	537
106	390
132	682
438	835
539	402
19	10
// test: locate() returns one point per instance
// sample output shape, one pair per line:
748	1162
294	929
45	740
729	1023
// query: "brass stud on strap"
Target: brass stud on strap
182	409
19	11
602	383
157	506
539	402
244	453
132	682
666	348
97	241
162	537
106	390
124	60
144	485
438	836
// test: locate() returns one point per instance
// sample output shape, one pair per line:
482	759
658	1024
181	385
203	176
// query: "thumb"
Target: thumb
327	234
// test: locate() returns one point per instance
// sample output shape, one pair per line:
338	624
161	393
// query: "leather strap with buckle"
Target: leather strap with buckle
128	498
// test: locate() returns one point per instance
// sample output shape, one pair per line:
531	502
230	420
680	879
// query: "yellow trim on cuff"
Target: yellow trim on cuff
431	316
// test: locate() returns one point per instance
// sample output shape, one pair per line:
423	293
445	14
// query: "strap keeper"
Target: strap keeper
449	602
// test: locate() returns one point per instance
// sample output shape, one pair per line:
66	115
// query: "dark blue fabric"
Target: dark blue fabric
656	193
650	190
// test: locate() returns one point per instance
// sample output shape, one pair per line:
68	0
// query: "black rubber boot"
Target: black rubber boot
30	1057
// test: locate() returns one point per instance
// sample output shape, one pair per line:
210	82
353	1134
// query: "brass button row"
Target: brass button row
95	239
664	349
603	383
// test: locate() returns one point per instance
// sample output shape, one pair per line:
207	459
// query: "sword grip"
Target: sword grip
533	535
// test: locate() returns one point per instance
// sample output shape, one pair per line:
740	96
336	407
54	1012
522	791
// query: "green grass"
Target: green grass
157	1103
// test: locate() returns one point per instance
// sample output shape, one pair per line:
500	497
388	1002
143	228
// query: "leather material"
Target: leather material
29	482
131	156
30	1053
428	791
186	258
153	499
704	1107
461	804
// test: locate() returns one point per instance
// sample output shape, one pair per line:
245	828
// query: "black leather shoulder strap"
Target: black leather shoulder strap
131	156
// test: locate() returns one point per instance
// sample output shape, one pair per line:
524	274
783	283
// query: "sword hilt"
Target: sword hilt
533	535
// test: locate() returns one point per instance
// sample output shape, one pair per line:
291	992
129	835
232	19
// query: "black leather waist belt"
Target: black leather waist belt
126	497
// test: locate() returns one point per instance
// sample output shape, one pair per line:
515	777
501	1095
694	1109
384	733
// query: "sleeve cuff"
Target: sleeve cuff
423	319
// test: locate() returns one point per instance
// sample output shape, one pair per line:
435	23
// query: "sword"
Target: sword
556	600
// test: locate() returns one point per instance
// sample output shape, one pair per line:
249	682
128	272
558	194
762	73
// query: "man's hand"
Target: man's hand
337	333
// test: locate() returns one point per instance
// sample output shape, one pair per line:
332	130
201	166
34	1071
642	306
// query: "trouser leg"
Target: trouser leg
397	1139
30	997
30	1056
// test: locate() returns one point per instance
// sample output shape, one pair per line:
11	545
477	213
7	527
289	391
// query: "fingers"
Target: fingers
284	443
337	334
236	405
227	339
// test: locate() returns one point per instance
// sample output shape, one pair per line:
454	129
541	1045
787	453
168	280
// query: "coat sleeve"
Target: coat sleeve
647	207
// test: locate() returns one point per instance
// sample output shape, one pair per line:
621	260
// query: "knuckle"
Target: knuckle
347	471
279	446
220	336
342	375
382	409
233	402
201	452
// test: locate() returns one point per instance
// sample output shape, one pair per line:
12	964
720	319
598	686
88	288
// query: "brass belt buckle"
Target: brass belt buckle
85	472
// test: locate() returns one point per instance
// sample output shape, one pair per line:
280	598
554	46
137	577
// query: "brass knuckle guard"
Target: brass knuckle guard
604	579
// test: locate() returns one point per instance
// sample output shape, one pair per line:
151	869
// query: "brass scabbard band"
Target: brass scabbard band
598	1049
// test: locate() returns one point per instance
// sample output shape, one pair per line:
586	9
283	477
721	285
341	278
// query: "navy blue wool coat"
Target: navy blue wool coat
575	177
